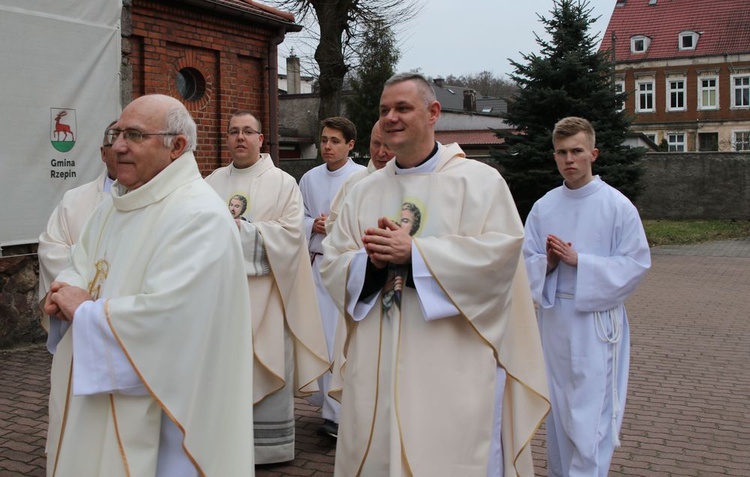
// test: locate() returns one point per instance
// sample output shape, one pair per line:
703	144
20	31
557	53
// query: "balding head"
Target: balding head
175	116
167	132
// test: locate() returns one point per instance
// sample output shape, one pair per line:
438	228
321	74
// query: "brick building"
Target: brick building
686	67
217	56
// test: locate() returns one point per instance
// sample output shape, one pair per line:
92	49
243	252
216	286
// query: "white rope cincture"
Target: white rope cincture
613	338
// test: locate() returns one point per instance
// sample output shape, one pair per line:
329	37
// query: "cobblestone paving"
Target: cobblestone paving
688	411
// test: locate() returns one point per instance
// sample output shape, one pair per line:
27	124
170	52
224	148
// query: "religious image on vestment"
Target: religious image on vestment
409	219
238	205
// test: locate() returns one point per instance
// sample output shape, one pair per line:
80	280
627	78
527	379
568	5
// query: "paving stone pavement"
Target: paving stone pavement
688	411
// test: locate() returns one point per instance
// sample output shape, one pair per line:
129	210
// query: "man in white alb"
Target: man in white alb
319	186
586	252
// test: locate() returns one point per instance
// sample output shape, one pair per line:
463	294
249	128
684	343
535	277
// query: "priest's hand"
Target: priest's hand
388	243
65	299
558	251
319	224
49	307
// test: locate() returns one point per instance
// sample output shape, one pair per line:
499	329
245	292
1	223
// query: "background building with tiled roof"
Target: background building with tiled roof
467	117
686	67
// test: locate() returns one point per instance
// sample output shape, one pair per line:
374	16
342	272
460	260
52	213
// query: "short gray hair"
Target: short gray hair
424	86
179	121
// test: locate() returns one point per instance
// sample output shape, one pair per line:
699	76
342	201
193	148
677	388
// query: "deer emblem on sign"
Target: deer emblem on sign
62	135
62	128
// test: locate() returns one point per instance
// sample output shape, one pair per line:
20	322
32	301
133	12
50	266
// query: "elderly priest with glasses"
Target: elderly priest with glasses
153	376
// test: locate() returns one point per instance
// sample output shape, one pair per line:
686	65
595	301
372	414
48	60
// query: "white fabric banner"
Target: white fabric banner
60	88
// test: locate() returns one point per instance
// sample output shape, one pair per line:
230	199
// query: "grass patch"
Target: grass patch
681	232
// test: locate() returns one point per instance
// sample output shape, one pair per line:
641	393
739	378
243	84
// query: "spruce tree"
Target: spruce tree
568	78
378	59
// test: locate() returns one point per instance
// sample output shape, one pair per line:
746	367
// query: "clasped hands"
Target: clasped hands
319	224
63	300
387	243
558	251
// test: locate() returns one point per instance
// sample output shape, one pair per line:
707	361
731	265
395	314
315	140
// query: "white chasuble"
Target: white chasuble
290	348
275	209
166	260
418	396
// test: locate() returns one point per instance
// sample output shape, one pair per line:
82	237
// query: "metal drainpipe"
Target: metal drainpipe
273	92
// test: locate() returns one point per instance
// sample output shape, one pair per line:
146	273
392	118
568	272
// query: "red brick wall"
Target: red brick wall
692	72
231	55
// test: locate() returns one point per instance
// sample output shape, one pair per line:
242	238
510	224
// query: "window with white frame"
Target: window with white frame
651	136
676	141
645	100
740	91
708	92
688	40
639	43
676	94
619	89
741	140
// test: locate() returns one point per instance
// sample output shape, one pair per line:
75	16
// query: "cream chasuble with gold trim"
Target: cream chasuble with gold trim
418	395
166	258
274	207
288	339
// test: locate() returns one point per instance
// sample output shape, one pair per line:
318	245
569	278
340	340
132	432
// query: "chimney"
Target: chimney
470	100
438	82
293	79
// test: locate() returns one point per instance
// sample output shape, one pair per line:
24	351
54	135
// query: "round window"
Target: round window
190	84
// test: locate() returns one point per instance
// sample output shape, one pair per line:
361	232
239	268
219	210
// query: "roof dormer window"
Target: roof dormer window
688	40
639	43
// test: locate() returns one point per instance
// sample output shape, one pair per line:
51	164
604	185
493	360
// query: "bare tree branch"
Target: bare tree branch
341	25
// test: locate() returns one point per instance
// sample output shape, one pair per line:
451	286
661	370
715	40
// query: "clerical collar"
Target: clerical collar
427	165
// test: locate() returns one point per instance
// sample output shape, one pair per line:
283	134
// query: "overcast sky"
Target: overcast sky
461	37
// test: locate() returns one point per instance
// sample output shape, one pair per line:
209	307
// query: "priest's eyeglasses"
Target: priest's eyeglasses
248	131
132	136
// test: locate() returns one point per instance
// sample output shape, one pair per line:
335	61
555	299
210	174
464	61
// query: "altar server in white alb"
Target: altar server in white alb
288	341
154	376
443	373
64	228
586	252
319	186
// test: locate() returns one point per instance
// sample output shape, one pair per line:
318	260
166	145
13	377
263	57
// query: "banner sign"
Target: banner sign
60	89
